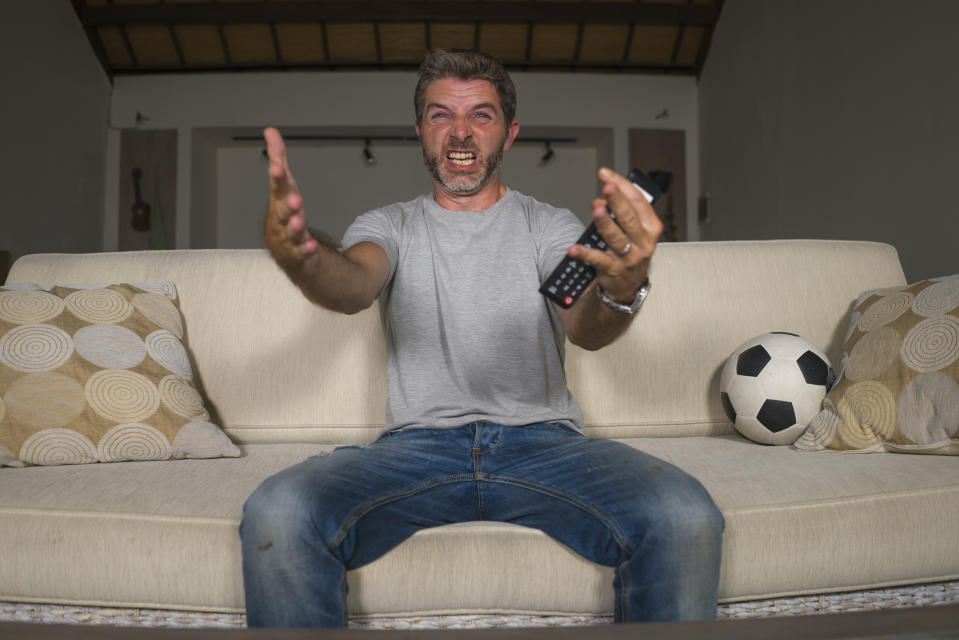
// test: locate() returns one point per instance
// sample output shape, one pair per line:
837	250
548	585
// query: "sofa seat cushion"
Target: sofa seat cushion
146	534
800	522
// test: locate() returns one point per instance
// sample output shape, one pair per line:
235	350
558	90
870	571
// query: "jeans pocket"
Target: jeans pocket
560	426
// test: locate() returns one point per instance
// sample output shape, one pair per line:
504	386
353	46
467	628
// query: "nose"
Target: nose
460	128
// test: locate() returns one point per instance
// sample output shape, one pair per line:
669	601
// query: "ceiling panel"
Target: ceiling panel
201	44
152	45
453	35
301	43
653	45
604	43
352	42
402	41
187	36
554	42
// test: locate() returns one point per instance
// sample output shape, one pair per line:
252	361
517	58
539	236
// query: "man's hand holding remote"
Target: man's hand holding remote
624	267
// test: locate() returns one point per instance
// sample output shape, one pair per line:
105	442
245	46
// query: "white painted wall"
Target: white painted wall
338	184
220	198
54	105
834	119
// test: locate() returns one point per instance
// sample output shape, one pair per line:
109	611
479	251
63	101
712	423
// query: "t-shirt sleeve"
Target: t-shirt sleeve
378	226
559	229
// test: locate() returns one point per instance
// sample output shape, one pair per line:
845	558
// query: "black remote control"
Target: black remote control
567	282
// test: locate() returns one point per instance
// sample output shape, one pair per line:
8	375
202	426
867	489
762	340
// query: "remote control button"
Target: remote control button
568	301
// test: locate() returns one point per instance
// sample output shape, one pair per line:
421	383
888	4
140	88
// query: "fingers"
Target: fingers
634	215
286	230
285	197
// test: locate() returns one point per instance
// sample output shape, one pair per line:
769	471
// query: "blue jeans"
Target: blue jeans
304	527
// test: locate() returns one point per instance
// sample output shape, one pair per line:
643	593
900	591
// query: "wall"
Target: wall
222	194
338	184
833	119
54	110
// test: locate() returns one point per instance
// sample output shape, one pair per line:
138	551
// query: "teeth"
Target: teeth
461	158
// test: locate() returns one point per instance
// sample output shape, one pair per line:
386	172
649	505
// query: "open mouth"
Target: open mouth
461	158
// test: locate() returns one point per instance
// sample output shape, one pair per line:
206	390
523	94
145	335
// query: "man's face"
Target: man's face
464	133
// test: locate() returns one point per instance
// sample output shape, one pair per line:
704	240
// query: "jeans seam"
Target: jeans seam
354	516
618	535
623	592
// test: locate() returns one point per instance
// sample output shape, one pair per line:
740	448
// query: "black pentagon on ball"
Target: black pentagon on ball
752	360
776	415
728	407
814	369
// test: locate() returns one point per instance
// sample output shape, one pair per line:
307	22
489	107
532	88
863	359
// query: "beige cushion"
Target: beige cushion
899	387
97	373
164	534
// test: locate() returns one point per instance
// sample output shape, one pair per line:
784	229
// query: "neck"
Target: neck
480	200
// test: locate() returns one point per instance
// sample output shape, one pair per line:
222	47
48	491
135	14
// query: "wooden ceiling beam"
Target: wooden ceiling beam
570	65
598	12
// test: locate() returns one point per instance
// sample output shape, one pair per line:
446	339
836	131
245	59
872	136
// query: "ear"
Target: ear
511	134
416	126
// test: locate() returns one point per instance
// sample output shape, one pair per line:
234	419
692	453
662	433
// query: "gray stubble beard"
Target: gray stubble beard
457	184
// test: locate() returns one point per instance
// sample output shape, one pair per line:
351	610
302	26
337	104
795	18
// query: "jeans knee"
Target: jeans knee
706	521
688	519
275	510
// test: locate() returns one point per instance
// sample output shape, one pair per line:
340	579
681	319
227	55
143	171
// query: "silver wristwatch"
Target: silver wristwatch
628	310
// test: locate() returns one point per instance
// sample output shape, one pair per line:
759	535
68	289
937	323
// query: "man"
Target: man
480	424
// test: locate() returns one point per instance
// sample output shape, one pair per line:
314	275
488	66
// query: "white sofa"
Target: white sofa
288	379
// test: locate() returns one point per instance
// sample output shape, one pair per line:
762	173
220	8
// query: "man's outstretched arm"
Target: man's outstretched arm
621	270
347	282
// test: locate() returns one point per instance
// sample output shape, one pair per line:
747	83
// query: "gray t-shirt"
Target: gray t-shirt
469	337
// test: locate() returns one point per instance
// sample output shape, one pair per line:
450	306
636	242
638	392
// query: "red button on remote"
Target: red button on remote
568	301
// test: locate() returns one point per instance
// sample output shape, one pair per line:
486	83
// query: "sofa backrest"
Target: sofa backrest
707	298
279	369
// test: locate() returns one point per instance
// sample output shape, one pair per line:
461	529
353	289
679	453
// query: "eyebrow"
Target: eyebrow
478	107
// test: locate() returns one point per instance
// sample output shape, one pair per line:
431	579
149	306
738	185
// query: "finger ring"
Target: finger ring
625	250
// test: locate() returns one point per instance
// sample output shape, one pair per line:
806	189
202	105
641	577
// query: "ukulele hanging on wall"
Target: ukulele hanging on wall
140	218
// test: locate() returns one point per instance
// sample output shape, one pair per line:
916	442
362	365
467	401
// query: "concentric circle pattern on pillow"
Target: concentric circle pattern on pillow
99	373
899	385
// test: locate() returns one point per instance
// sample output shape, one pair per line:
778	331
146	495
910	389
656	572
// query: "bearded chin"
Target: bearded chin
463	183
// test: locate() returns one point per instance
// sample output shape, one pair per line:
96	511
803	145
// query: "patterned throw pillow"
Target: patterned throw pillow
898	390
99	373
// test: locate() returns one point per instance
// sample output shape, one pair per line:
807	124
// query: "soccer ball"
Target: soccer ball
773	386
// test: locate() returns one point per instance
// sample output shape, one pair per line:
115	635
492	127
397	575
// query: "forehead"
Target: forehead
454	92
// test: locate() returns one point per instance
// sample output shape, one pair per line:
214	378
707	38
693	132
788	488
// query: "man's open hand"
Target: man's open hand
285	231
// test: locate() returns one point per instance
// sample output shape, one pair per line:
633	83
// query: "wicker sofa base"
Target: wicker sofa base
890	598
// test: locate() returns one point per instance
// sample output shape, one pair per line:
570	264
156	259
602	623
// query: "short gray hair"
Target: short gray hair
465	64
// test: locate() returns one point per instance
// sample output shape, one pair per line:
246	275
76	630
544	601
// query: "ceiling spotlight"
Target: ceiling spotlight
548	155
367	154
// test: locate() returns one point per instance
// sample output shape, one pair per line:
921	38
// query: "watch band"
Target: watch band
628	310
